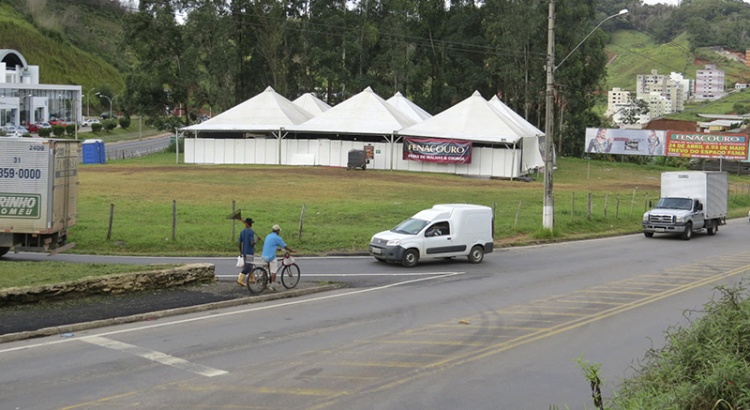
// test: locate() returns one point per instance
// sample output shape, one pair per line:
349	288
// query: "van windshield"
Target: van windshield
410	226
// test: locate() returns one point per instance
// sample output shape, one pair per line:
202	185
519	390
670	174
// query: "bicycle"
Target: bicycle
289	271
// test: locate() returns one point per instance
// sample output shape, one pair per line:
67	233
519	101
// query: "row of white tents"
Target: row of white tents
270	129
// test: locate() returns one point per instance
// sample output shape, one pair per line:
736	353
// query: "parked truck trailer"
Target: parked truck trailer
38	193
690	202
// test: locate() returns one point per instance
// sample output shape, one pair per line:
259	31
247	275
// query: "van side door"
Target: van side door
439	240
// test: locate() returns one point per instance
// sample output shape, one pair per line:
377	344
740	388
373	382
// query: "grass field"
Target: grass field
330	210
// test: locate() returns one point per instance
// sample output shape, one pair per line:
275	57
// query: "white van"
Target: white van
443	231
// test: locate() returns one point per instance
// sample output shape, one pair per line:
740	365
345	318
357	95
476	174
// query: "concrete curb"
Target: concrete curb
61	330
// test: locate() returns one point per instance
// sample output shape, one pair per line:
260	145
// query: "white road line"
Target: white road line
345	275
155	356
236	312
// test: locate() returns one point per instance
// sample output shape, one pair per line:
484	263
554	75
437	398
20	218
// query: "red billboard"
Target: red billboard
706	145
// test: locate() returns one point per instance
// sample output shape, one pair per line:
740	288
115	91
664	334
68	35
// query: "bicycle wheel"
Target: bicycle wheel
261	280
290	275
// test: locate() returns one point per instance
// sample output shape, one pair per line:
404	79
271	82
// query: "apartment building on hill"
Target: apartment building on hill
709	84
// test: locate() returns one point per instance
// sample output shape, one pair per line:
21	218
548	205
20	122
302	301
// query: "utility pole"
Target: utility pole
548	212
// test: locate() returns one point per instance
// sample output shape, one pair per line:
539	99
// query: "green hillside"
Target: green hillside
59	61
632	53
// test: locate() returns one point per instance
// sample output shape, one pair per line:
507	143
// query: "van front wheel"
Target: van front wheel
476	255
410	259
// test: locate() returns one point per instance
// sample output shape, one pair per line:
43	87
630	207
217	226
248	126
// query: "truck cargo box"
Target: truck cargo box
710	187
38	192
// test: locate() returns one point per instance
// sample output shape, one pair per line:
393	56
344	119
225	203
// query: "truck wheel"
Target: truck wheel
410	259
648	234
688	232
476	255
713	228
3	250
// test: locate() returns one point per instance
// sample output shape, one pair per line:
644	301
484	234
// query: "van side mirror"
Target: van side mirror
698	206
650	203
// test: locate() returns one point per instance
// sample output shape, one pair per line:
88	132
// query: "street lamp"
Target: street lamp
110	103
548	212
73	112
88	102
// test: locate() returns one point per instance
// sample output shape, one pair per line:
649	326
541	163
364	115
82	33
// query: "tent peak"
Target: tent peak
476	94
269	89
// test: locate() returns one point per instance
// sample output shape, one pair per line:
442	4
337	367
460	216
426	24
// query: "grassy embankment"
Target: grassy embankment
339	210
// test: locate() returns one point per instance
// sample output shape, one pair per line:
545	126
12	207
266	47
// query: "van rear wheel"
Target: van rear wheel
476	255
410	259
3	250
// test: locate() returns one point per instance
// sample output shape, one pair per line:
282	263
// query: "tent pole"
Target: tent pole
513	162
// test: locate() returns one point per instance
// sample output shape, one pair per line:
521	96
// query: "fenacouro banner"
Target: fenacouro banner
704	145
437	150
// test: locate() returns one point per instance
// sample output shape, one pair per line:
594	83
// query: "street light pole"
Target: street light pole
110	103
88	102
548	212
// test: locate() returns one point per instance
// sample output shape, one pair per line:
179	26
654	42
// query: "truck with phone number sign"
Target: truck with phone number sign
38	193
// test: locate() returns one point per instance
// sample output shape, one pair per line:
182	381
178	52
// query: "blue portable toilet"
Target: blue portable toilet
93	152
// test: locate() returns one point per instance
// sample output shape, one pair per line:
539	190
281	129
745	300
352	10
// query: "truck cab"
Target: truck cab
674	215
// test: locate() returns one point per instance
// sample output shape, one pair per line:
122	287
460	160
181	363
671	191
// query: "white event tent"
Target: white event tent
365	113
269	129
312	104
264	115
509	149
268	111
407	107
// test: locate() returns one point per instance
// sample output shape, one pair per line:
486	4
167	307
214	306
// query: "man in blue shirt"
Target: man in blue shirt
273	242
246	244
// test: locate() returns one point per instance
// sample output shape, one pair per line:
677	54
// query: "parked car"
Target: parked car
87	123
37	126
105	115
57	121
14	130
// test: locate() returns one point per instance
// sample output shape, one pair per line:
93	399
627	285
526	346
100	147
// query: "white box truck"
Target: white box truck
38	192
443	231
690	202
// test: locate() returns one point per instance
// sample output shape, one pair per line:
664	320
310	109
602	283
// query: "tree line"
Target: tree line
209	55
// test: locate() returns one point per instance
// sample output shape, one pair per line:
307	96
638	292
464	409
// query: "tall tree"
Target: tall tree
161	79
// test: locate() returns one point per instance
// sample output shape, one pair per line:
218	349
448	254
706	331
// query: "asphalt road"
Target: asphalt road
505	334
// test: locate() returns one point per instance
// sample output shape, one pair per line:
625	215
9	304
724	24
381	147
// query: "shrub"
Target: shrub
124	122
44	132
96	127
70	129
109	125
703	366
58	130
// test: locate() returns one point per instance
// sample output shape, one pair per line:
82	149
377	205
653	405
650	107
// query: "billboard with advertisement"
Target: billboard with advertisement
625	142
706	145
437	150
667	143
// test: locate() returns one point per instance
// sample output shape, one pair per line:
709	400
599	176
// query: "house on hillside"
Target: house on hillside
23	100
